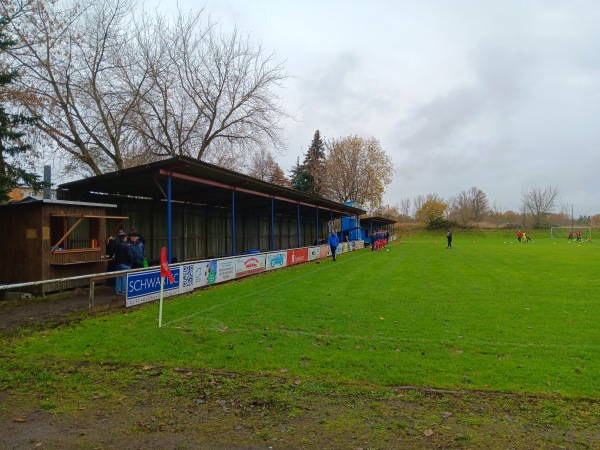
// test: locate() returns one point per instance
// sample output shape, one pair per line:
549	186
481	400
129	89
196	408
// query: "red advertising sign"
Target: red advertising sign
297	256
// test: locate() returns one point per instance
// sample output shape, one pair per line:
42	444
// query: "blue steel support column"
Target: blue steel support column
272	224
233	222
169	228
298	225
317	234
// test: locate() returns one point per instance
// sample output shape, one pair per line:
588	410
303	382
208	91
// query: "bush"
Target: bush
441	224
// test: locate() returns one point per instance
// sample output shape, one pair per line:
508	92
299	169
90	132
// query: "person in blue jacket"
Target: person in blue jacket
333	242
138	250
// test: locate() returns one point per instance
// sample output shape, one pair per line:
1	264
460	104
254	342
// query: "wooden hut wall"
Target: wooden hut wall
22	227
32	229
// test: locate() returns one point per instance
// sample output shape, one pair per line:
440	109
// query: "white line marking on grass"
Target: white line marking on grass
258	292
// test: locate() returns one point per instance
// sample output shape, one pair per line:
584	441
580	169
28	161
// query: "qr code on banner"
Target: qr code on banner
188	275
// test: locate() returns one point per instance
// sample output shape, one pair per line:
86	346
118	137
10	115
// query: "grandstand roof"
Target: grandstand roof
197	182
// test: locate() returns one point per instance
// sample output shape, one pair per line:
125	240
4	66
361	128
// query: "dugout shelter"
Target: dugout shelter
375	223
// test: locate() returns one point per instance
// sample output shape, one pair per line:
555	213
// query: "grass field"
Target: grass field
492	344
490	315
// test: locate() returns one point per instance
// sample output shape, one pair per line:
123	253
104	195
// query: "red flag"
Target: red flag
165	271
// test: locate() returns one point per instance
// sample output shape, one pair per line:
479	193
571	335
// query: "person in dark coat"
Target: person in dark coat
138	250
333	242
123	260
449	237
140	237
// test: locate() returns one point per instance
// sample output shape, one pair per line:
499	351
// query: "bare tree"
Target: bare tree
480	204
387	211
418	202
209	87
405	205
263	166
469	206
434	197
460	209
114	89
539	202
496	213
564	211
67	58
356	169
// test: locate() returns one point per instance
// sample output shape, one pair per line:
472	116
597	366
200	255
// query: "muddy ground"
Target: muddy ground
187	409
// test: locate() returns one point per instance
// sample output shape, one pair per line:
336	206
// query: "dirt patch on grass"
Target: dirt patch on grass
166	408
57	308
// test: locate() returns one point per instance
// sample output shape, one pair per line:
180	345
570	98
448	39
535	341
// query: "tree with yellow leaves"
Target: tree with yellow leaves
356	169
431	213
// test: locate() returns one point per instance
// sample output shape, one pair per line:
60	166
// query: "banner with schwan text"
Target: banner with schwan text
145	286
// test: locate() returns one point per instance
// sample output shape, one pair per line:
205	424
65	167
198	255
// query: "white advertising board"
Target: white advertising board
276	260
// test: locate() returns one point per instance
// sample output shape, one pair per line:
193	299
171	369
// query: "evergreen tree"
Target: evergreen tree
313	163
306	177
298	176
11	143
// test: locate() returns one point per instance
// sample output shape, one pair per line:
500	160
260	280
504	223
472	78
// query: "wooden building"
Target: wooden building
51	239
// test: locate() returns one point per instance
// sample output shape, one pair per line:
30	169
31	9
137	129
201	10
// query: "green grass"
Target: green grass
491	315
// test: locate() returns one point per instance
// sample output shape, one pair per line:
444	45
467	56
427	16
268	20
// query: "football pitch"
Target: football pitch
492	314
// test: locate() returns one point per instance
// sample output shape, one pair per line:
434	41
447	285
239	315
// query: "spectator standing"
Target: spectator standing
123	260
111	245
449	238
333	242
133	229
112	241
138	251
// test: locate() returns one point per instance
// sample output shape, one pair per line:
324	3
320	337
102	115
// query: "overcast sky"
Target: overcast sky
501	95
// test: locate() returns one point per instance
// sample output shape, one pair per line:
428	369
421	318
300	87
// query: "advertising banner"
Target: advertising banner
297	256
187	278
276	260
225	270
250	264
205	273
314	253
143	287
325	251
